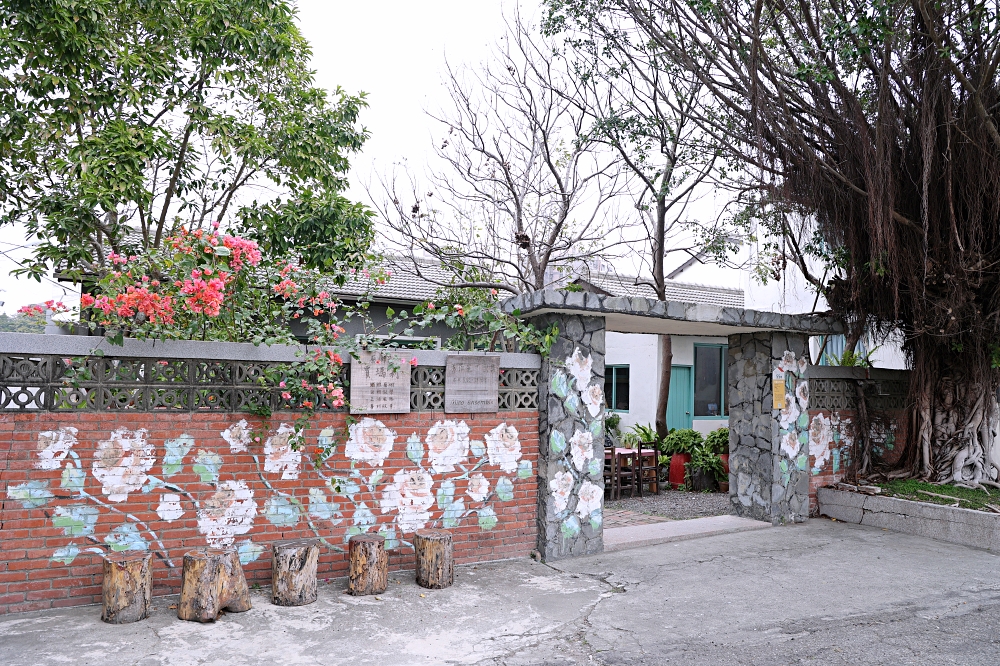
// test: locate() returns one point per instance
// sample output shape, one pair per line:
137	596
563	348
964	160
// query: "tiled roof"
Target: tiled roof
405	285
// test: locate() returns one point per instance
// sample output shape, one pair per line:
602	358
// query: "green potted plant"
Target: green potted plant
718	441
705	469
679	445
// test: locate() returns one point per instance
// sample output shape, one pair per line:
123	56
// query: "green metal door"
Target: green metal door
681	401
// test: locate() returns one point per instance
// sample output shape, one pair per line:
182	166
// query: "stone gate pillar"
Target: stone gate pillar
768	437
571	438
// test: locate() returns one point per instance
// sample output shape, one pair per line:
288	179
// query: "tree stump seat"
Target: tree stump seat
369	572
435	565
293	572
127	587
212	580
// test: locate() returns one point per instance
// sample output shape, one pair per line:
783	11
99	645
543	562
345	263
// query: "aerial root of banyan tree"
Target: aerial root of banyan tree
957	432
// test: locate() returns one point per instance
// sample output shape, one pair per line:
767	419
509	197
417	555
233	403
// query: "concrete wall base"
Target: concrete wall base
945	523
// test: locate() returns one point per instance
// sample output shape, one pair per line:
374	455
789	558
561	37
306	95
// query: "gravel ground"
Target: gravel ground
675	504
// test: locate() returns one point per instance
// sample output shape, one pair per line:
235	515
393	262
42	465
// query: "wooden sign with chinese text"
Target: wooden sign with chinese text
472	384
380	384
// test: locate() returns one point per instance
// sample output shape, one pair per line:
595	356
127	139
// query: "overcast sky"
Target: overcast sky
395	51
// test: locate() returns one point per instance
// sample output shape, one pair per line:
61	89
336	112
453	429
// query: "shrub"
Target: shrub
718	441
681	441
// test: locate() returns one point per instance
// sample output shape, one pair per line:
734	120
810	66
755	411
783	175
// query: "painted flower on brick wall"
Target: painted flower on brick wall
121	462
230	511
411	497
279	456
369	441
479	487
237	436
503	447
593	398
53	447
447	445
561	487
170	508
820	439
790	444
580	367
581	448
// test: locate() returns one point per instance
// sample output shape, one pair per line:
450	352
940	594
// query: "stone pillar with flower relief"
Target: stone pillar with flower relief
571	438
769	426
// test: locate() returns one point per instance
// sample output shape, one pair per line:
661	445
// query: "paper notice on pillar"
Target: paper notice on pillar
778	388
380	384
472	384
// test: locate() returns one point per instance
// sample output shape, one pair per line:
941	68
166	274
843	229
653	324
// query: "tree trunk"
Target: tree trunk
369	573
293	572
663	395
435	566
212	579
127	589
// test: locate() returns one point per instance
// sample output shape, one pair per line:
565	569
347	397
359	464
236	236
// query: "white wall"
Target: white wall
641	353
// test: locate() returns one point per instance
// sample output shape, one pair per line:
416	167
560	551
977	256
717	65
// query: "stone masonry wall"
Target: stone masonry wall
768	463
76	486
571	439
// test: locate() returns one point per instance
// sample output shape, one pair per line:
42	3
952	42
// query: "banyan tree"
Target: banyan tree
865	136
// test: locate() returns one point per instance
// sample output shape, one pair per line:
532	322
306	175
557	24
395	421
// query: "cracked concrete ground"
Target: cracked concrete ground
822	592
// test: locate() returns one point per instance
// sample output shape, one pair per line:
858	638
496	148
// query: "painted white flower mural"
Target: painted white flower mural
593	398
561	487
820	439
802	395
589	499
369	441
580	367
237	436
279	456
581	448
790	414
447	445
54	446
411	497
479	487
122	461
503	447
170	508
230	511
790	444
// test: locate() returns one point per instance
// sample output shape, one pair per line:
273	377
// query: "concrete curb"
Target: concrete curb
954	525
637	536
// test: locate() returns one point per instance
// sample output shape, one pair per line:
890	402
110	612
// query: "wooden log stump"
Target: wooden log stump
435	566
369	572
293	572
127	588
212	580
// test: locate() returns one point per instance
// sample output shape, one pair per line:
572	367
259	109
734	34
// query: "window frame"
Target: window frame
722	380
611	400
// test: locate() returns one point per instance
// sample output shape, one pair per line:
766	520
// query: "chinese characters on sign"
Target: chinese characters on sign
472	384
380	384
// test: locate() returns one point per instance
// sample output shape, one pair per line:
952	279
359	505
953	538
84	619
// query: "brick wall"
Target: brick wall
75	487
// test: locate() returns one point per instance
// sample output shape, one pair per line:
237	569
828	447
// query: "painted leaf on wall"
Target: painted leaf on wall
173	459
414	449
66	554
31	494
597	428
279	511
126	537
595	468
453	513
320	507
249	551
524	469
207	465
72	478
557	441
487	518
570	527
76	519
573	404
505	489
560	384
446	494
391	542
478	448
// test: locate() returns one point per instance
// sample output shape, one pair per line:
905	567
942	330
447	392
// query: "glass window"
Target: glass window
708	393
616	387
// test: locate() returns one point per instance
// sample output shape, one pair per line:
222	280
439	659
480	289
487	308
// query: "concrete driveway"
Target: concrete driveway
823	592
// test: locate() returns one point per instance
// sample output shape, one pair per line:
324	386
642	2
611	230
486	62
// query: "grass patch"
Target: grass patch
967	498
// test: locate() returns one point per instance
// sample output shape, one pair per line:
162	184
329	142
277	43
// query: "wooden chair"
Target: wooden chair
625	472
648	470
610	470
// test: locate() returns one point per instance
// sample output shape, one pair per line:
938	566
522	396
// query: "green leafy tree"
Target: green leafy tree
128	121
